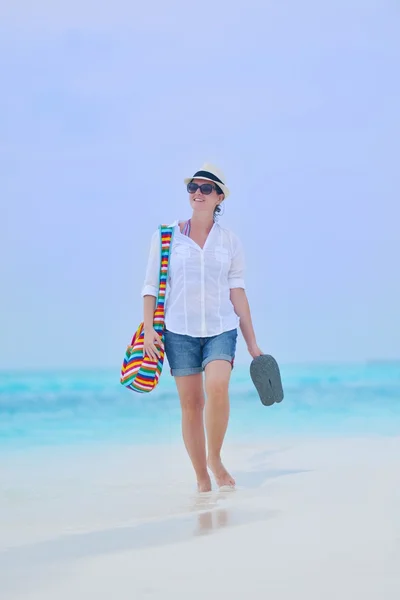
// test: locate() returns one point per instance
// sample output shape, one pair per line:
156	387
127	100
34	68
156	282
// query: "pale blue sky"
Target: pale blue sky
105	108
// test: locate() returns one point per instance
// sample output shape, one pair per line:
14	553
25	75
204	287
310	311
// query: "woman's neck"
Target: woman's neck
202	223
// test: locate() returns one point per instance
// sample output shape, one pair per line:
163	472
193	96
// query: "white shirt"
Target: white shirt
199	281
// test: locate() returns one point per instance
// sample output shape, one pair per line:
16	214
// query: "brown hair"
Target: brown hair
217	209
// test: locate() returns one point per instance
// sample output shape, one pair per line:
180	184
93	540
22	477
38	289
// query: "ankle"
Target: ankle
202	475
214	457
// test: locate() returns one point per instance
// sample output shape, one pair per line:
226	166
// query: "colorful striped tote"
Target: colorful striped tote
138	373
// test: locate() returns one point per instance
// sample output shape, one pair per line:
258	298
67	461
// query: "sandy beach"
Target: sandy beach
311	518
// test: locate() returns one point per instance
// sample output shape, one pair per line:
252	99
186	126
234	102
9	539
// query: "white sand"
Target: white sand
314	519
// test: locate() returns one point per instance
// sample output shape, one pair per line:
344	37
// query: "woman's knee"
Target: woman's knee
191	394
217	390
192	404
217	380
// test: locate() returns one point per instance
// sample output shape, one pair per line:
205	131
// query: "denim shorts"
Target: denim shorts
189	355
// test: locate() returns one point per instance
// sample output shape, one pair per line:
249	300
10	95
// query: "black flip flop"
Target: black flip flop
265	374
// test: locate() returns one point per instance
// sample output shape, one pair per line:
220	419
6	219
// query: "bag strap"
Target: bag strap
166	236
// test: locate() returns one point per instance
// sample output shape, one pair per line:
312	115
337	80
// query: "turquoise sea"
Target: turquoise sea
46	408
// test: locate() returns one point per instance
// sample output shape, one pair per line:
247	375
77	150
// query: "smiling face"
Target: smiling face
204	202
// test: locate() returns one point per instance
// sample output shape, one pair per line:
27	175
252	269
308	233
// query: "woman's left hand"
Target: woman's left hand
254	351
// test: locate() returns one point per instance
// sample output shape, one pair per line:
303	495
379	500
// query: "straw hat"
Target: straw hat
210	173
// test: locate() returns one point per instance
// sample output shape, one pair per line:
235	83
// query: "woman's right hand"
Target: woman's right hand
151	340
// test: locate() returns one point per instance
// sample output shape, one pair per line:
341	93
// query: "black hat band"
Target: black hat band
208	175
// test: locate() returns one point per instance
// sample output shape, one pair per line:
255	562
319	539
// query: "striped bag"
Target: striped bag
138	373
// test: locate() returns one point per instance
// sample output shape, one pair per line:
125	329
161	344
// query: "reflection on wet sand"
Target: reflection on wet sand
213	519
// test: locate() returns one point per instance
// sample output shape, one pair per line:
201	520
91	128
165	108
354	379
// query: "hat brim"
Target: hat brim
220	185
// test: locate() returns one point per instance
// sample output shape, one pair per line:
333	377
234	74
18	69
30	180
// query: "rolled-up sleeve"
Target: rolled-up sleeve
152	276
237	269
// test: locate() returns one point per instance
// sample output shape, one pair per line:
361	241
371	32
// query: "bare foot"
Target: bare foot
204	484
222	477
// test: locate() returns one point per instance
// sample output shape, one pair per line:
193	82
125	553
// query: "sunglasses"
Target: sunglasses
205	188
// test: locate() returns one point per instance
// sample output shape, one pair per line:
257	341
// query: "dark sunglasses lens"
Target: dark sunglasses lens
206	188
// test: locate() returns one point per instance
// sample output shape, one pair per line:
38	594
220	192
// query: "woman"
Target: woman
205	304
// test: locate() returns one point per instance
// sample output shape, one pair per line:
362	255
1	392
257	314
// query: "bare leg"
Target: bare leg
191	395
218	374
